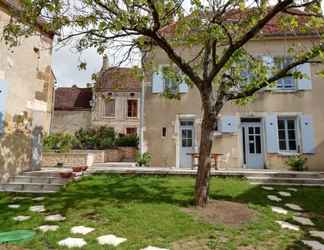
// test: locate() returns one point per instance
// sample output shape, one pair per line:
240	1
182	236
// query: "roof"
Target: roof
118	79
73	98
14	6
272	28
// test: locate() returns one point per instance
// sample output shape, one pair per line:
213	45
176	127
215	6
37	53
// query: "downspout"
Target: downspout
142	114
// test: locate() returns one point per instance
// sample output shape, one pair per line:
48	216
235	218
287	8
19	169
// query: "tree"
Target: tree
217	29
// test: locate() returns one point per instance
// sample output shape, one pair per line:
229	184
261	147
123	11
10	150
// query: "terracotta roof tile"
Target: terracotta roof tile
118	79
73	98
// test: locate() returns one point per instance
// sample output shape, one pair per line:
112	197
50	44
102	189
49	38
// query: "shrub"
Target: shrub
96	138
59	142
297	162
127	141
143	159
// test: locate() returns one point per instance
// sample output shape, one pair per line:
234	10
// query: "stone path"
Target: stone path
55	217
21	218
284	194
81	230
313	244
317	234
303	221
72	242
14	206
294	207
287	225
279	210
274	198
38	198
292	189
46	228
153	248
267	188
38	209
110	239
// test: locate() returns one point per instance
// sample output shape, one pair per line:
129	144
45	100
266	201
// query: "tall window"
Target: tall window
132	108
287	134
287	82
131	131
110	107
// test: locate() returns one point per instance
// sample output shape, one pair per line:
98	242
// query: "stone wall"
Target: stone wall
50	159
70	121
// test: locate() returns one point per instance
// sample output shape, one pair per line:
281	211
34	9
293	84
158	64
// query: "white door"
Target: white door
252	145
186	143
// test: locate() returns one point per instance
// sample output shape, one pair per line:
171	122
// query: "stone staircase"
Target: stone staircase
34	182
290	178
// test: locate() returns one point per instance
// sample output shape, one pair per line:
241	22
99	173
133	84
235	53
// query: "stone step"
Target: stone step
297	181
29	187
287	184
305	175
37	179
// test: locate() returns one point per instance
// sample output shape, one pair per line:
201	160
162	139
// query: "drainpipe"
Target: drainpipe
141	139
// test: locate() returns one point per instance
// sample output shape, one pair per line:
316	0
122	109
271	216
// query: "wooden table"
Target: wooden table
195	156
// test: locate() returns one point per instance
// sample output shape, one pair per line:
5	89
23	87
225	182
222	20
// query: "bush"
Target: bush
59	142
297	162
144	159
100	138
127	141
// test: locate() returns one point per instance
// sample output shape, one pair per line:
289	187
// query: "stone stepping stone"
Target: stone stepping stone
46	228
313	244
287	225
284	194
274	198
304	221
55	217
294	207
14	206
21	218
81	230
279	210
37	209
318	234
110	239
19	198
153	248
292	189
38	198
72	242
267	188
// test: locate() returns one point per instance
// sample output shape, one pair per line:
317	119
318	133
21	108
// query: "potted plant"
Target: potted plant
297	162
143	159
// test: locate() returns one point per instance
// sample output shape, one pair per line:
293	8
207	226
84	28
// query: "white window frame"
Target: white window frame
297	135
167	81
282	84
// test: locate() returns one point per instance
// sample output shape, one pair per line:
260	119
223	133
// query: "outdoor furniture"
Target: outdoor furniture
213	156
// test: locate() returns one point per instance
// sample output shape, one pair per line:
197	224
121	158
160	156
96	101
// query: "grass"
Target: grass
149	211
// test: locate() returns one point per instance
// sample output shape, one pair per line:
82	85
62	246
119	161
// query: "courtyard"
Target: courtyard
143	211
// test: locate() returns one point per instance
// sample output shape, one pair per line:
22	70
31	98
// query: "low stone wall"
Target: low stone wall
99	155
128	153
50	159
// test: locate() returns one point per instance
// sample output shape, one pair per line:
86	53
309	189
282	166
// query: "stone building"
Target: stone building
26	93
114	101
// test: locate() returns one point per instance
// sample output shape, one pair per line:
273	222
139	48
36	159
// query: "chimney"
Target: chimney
105	63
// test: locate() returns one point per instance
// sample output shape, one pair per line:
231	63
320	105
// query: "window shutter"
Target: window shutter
157	83
268	61
183	87
229	124
271	125
307	134
306	82
3	96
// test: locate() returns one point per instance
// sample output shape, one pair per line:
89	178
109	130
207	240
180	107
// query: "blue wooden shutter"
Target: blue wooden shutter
183	87
307	134
3	96
229	124
157	83
271	126
306	82
268	62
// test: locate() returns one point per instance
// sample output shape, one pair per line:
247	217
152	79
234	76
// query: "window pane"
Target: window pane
291	134
110	107
281	124
251	146
132	108
257	131
258	144
292	145
282	145
282	135
291	124
251	130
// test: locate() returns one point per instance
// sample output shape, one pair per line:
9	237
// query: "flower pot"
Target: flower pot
66	175
77	169
84	168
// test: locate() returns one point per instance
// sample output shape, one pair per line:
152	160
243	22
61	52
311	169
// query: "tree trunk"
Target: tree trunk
204	165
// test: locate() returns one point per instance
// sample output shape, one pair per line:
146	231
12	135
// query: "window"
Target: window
110	107
287	82
131	131
132	108
164	132
287	134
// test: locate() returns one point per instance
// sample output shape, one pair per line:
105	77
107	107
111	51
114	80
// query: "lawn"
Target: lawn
153	211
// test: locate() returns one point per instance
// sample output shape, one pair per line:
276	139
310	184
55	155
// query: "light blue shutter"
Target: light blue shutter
306	82
183	87
271	126
229	124
157	83
3	96
307	134
268	62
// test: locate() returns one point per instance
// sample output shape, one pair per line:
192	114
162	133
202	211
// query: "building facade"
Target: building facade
280	122
114	101
26	93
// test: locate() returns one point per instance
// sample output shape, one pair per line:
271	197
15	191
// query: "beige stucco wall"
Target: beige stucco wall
120	121
29	100
161	112
70	121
